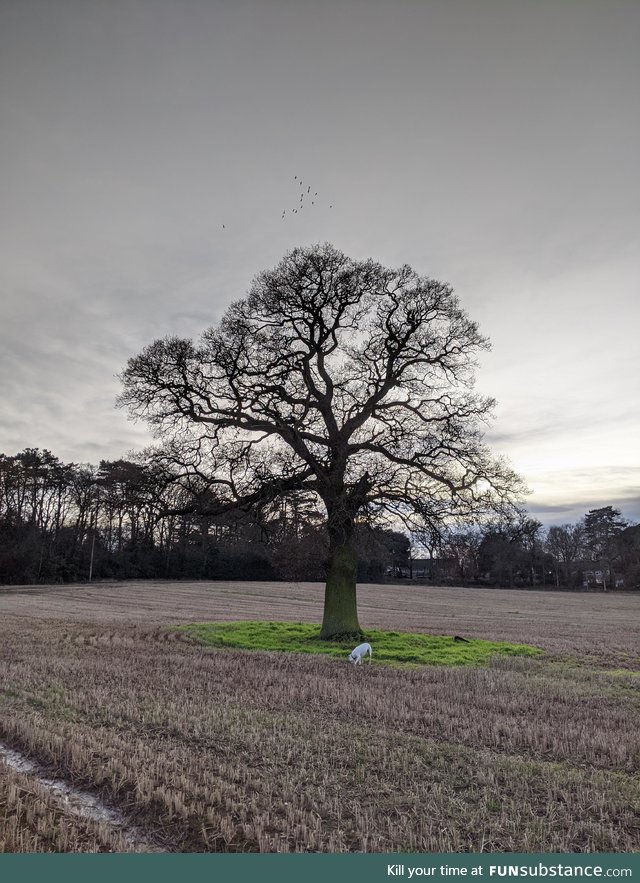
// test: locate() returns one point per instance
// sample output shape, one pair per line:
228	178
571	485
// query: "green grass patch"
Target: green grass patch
389	648
622	672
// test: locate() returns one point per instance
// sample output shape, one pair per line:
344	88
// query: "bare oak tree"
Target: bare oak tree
334	377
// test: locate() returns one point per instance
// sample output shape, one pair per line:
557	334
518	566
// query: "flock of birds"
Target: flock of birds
304	195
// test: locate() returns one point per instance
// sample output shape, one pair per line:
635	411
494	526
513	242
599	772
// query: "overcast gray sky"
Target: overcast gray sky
490	143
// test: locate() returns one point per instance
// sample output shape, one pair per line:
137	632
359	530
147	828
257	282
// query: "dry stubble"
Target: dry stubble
225	750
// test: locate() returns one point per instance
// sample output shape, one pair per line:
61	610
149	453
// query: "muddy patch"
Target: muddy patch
78	802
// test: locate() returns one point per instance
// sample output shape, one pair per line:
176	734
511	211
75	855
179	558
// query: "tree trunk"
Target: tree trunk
567	572
340	608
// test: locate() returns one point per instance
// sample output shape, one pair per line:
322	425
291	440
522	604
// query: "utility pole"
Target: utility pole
93	543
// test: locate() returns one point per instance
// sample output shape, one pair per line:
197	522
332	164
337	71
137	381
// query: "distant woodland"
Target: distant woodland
68	522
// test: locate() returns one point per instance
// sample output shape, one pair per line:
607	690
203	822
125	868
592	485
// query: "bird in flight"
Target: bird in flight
301	203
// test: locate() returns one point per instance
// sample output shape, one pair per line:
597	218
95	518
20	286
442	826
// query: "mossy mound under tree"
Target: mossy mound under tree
389	648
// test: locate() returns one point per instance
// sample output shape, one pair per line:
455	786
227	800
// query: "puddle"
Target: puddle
80	803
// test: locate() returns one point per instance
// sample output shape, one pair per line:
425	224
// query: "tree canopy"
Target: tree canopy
334	377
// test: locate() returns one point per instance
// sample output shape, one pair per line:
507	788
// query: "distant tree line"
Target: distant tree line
67	522
601	551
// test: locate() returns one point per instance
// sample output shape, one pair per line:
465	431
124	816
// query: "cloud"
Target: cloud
135	133
628	506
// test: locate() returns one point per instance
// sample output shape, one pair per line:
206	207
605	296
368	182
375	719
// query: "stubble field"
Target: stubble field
210	749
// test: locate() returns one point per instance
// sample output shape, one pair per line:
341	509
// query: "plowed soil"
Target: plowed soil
602	625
